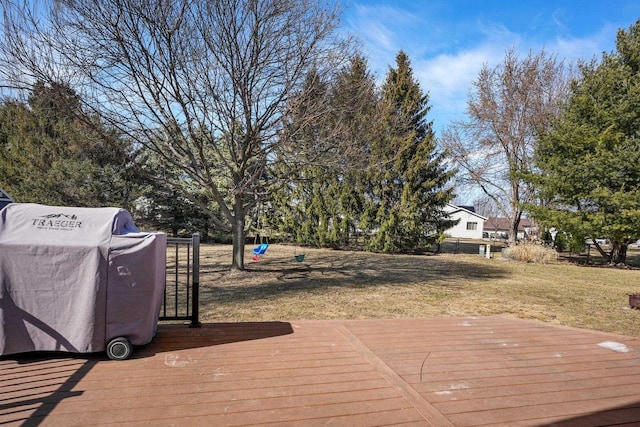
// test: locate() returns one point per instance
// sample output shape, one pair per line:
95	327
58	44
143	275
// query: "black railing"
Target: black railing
182	290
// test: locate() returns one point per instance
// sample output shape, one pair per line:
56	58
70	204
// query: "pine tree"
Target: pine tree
323	200
163	208
589	162
407	177
51	152
355	104
299	209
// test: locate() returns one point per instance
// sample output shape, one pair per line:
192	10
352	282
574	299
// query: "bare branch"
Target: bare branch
204	84
511	104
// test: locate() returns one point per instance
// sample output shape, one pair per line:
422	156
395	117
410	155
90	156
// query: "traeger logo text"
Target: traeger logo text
57	222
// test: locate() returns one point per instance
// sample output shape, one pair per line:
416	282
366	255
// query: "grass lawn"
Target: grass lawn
332	284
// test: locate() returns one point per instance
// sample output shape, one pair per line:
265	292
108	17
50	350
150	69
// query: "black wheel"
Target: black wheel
119	349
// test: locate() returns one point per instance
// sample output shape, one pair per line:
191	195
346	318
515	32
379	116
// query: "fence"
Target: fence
182	290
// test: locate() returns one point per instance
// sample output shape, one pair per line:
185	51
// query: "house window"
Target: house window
472	225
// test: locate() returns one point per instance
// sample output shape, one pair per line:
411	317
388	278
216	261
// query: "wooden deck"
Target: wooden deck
441	372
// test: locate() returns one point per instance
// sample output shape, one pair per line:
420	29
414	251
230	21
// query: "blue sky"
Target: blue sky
448	41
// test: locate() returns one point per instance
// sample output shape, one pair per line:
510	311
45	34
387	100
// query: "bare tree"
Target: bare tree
510	104
485	206
204	84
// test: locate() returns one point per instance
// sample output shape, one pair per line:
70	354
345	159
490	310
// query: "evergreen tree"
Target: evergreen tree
407	177
164	208
355	101
51	152
322	203
299	209
589	162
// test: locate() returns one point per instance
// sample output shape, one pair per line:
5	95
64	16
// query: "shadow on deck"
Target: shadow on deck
441	371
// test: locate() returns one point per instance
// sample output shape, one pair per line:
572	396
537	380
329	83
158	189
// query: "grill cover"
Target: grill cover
71	279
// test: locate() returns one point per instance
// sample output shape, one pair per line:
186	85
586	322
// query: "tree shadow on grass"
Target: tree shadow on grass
335	270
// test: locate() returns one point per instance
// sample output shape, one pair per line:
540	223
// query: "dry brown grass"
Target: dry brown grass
357	285
531	252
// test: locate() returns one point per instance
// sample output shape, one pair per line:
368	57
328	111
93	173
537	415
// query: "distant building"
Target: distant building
470	225
5	198
469	208
499	228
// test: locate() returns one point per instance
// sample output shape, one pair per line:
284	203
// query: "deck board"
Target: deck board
407	372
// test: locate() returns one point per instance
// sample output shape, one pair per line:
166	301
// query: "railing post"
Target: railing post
191	283
195	294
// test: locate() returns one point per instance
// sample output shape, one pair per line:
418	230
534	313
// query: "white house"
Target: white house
470	225
499	228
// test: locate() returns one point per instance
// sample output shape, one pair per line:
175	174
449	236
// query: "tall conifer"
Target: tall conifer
407	176
322	203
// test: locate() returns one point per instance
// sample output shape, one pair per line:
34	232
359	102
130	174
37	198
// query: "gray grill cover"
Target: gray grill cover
71	279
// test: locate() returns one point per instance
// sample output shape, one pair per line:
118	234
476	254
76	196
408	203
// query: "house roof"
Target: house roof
503	224
451	209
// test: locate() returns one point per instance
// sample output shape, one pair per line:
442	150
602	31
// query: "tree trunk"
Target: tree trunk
515	224
237	235
618	253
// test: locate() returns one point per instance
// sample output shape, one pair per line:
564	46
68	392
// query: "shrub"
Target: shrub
561	242
531	252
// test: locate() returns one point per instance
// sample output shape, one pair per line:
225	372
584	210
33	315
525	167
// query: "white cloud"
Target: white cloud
448	79
384	30
447	56
587	48
376	26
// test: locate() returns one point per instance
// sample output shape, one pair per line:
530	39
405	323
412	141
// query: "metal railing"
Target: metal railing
182	290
